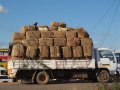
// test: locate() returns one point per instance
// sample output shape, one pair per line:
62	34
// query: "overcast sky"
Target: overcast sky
76	13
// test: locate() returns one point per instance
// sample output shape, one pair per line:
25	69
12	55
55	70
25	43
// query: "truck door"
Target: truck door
107	60
117	55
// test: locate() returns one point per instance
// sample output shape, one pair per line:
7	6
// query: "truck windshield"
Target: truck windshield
106	54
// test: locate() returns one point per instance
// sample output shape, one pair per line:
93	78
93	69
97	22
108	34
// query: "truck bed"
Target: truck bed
51	64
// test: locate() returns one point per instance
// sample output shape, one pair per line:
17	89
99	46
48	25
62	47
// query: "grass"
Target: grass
113	86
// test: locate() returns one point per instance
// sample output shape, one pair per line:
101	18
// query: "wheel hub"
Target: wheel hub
103	76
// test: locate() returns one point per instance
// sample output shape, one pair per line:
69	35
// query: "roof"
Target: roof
4	49
5	57
103	49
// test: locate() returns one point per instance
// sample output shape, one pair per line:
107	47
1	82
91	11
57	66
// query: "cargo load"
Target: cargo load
62	29
45	41
53	28
58	24
59	34
70	41
87	49
17	41
55	52
47	34
44	52
18	50
77	52
32	52
24	29
87	46
82	33
70	29
86	41
53	42
17	36
32	35
71	34
43	28
77	42
30	42
59	41
67	52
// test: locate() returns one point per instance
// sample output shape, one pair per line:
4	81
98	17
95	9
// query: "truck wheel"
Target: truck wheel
42	78
103	76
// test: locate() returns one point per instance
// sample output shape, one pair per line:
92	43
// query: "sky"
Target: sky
100	18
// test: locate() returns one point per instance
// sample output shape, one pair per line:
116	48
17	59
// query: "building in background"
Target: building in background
3	57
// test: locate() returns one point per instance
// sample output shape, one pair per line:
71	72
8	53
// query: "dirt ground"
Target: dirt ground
55	86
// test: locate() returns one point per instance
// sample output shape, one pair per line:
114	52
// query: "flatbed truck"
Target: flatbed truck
101	67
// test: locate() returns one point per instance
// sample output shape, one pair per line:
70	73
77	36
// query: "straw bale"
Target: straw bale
45	41
55	52
33	35
67	52
18	50
44	52
59	41
47	34
59	34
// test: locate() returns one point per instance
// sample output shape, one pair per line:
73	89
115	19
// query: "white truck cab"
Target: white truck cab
107	59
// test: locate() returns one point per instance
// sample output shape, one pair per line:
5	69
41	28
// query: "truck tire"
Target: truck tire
42	78
103	76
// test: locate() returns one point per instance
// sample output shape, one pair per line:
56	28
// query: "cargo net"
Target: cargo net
56	41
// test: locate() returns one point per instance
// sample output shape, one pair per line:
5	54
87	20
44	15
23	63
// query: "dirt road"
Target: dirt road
66	86
61	85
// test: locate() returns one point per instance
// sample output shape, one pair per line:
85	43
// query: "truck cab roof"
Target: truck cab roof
102	49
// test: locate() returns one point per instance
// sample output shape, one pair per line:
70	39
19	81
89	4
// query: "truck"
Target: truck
101	67
41	54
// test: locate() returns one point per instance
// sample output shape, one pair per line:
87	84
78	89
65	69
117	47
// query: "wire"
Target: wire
101	19
109	28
